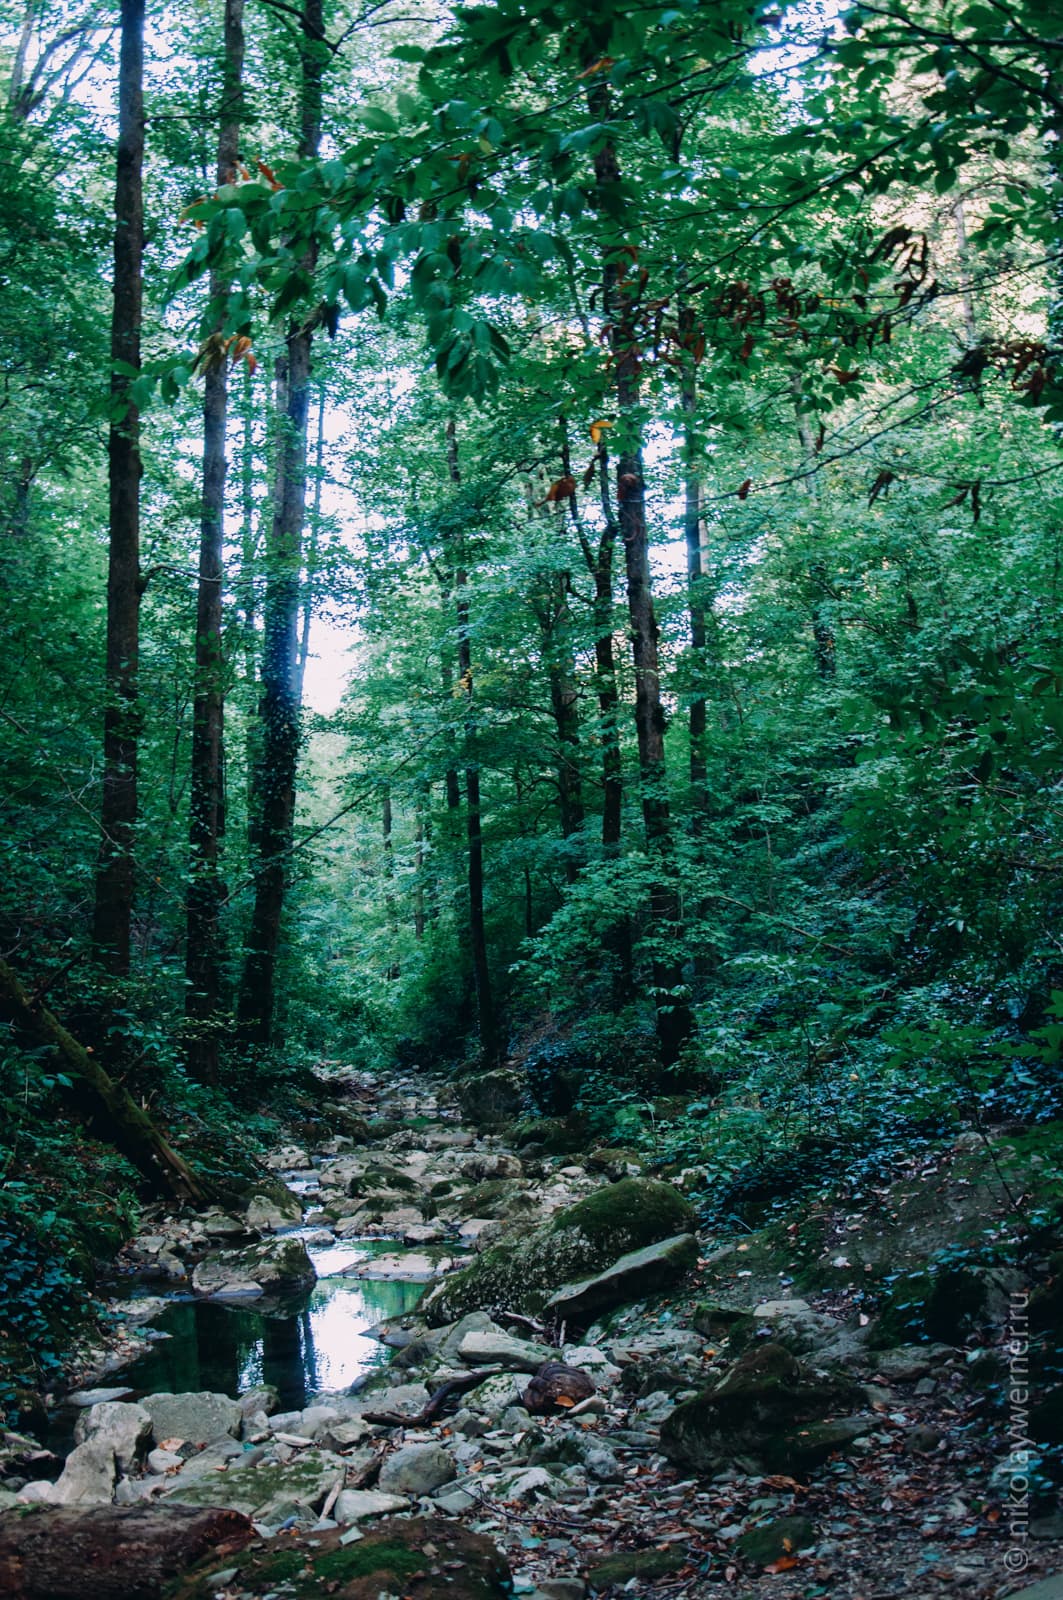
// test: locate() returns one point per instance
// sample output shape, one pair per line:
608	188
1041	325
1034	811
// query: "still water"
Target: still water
314	1344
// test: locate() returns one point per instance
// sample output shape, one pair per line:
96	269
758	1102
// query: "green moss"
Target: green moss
589	1236
362	1560
629	1215
627	1564
773	1540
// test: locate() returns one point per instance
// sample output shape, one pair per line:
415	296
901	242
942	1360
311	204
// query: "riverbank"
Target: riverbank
543	1355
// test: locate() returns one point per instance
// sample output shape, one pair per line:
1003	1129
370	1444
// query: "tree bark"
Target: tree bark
129	1128
315	541
280	703
697	595
203	951
112	1552
113	912
485	1007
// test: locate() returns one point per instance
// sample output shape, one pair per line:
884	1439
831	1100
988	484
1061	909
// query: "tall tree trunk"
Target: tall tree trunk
203	957
485	1006
605	667
315	541
113	914
280	706
674	1018
420	840
697	590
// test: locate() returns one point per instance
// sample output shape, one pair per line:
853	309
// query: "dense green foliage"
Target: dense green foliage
827	251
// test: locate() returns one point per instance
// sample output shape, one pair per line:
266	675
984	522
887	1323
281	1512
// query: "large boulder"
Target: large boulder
193	1418
491	1097
520	1274
422	1558
766	1412
125	1428
276	1266
635	1275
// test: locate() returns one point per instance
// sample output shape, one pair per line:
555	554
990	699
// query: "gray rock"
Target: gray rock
417	1469
491	1097
96	1397
315	1419
264	1491
562	1588
794	1324
455	1501
266	1214
639	1273
263	1397
492	1348
213	1456
407	1399
354	1505
88	1478
277	1266
196	1418
161	1461
125	1428
38	1493
340	1436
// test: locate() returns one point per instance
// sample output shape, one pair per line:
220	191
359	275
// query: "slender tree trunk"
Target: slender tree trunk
126	1125
674	1018
113	914
315	541
419	838
605	668
280	706
203	959
485	1007
697	595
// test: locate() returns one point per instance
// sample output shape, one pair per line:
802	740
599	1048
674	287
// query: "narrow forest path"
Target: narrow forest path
719	1435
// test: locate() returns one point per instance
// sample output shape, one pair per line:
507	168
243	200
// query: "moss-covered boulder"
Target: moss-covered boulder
491	1097
771	1541
616	1161
942	1307
277	1266
422	1558
521	1274
761	1413
618	1570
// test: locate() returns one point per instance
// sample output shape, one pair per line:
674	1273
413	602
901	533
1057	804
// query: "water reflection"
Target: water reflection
314	1346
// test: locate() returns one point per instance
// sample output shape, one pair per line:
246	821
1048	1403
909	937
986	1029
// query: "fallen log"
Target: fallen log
129	1128
110	1552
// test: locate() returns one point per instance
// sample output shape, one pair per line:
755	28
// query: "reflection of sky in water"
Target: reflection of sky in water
320	1346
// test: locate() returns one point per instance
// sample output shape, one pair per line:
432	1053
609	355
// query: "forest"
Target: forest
531	719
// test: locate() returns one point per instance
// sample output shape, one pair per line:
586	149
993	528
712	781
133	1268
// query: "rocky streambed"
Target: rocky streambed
426	1362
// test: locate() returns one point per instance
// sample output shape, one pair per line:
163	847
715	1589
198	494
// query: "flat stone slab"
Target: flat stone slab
639	1273
354	1505
489	1348
412	1268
